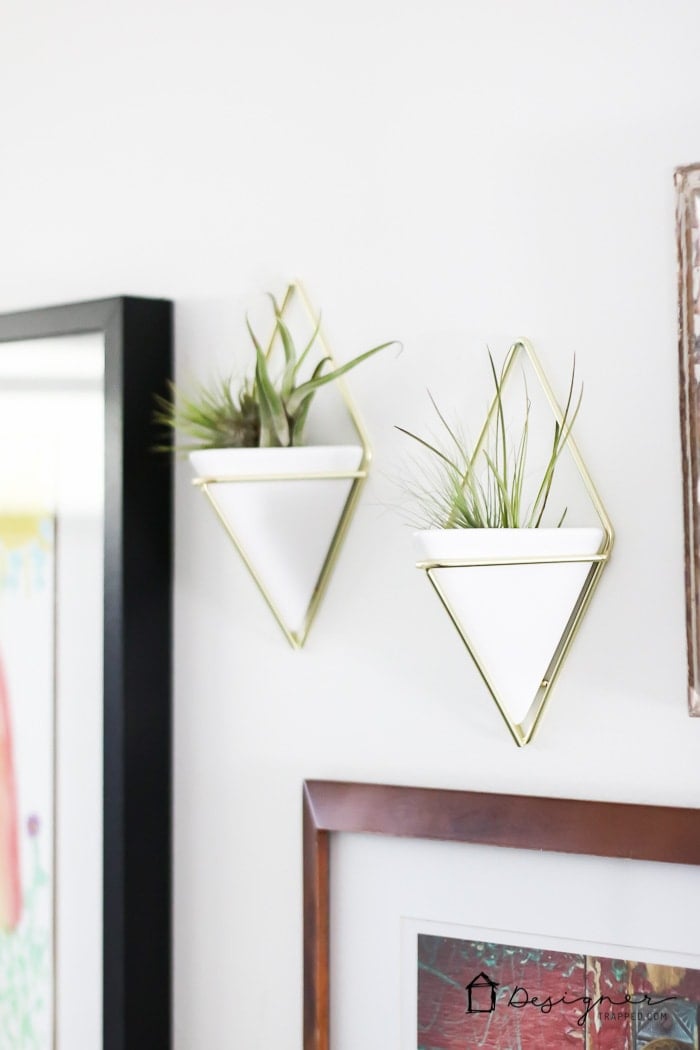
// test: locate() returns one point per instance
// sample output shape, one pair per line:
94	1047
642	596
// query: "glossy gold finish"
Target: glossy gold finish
208	485
523	732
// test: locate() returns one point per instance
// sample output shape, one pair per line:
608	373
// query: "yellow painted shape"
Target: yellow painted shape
18	530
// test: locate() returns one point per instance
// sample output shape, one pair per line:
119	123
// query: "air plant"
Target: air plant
482	487
263	412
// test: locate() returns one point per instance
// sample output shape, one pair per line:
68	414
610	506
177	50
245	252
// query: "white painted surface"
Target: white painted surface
451	175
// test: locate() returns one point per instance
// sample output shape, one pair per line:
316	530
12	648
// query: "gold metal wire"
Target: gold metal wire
358	477
523	732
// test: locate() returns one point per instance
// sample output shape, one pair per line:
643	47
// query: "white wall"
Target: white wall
450	174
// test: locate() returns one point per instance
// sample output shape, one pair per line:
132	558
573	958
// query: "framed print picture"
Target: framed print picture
474	990
452	920
688	246
85	553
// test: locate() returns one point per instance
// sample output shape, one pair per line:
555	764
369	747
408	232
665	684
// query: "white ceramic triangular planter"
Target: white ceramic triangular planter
512	617
283	528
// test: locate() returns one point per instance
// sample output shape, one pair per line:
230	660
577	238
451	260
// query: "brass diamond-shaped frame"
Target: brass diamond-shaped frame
524	731
358	477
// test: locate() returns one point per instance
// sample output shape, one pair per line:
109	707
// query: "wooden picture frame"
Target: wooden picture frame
136	697
687	180
600	829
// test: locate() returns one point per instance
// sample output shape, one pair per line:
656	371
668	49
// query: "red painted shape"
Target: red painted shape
10	884
448	965
534	997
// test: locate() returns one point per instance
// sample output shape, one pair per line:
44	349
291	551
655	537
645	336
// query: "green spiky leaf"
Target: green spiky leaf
484	486
314	384
262	411
273	418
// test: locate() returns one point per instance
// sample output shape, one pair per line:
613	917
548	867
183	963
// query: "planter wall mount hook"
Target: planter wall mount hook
574	557
287	510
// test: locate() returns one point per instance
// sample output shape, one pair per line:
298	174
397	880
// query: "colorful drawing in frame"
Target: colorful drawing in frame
27	628
477	995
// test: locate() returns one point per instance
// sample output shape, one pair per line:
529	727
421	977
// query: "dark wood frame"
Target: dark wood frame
603	829
137	660
688	246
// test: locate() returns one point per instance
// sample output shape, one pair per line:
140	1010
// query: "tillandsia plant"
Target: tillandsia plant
263	412
482	487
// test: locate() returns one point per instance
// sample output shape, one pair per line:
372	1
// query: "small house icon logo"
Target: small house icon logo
481	994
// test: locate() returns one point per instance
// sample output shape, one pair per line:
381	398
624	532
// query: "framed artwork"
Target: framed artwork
85	643
587	932
473	990
688	242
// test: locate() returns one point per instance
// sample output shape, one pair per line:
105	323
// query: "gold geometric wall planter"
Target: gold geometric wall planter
517	596
287	510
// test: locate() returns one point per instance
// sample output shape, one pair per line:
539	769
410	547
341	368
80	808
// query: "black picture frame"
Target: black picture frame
137	659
